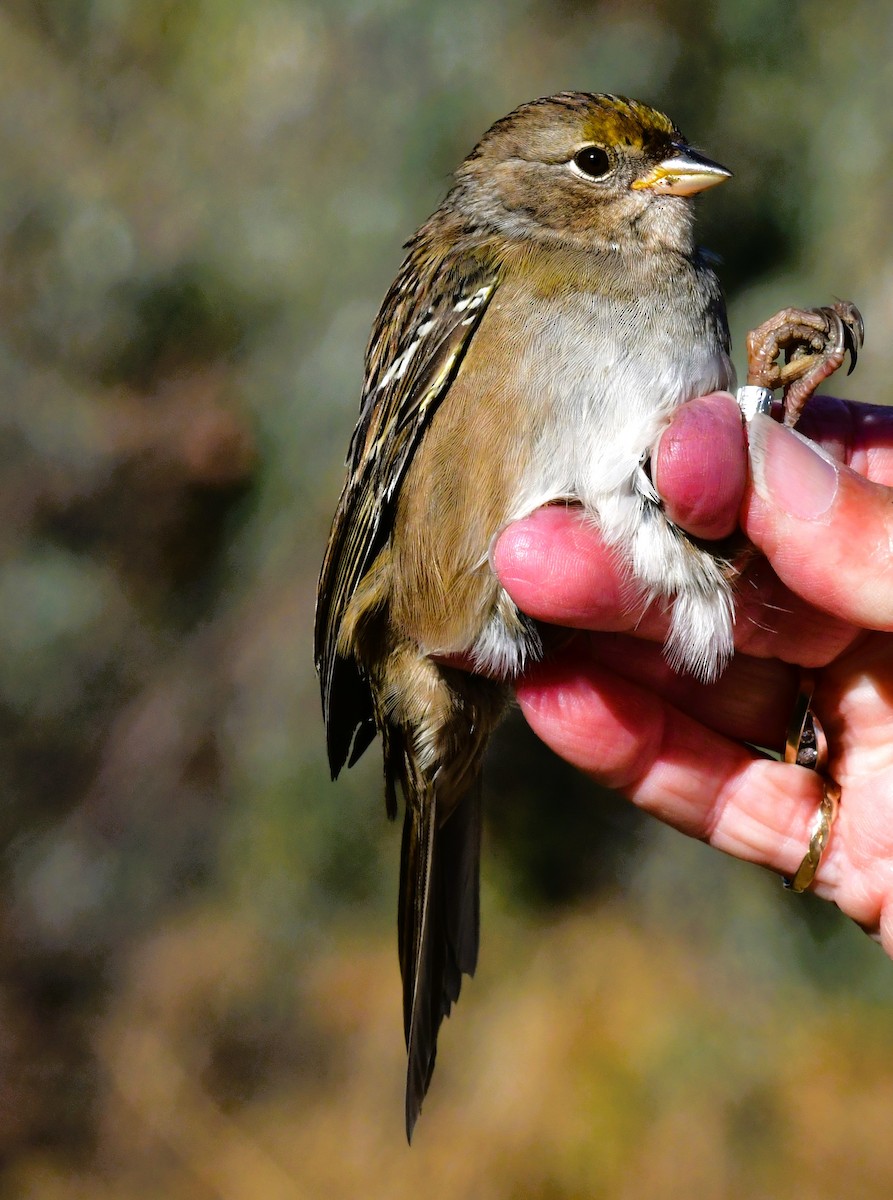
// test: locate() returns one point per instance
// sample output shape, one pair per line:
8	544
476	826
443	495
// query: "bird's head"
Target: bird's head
590	170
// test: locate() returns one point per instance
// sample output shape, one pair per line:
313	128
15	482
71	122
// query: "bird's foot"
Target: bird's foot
814	342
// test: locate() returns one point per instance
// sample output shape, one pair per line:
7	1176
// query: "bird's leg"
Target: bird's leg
814	342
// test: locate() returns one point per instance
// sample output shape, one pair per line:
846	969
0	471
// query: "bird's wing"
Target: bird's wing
418	342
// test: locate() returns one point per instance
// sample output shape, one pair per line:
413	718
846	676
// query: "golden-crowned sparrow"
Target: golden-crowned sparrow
546	321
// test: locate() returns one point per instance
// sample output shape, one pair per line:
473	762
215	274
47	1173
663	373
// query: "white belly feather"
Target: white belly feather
597	429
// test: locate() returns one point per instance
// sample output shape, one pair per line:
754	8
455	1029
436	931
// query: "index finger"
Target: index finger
699	466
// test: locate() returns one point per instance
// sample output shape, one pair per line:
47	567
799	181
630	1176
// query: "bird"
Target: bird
545	323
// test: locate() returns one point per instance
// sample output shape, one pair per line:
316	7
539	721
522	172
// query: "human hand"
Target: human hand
821	598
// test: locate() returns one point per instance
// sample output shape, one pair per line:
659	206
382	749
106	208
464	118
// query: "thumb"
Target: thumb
826	530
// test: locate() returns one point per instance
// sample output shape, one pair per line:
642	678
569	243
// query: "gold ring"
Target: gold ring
819	838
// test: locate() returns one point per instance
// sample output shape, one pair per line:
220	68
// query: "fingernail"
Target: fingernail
790	471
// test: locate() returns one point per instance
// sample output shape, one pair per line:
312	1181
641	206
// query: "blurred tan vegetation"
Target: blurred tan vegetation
201	205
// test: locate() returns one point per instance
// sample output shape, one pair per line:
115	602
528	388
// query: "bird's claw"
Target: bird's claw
814	342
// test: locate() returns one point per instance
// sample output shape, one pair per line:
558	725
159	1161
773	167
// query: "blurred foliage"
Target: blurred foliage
201	205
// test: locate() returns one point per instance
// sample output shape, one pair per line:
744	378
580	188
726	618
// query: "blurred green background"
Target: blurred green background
202	203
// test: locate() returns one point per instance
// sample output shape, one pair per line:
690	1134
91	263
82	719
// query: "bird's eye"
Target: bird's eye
593	161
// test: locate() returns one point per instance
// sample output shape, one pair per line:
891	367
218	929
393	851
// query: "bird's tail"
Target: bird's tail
439	771
438	923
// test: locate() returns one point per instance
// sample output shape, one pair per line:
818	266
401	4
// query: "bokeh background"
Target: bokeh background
202	203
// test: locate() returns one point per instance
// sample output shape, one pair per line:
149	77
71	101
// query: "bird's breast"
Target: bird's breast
601	376
559	397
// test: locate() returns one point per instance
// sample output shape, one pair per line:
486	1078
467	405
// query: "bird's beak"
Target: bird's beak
683	174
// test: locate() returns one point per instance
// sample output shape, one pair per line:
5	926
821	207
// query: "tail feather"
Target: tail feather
418	957
438	928
459	850
434	742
